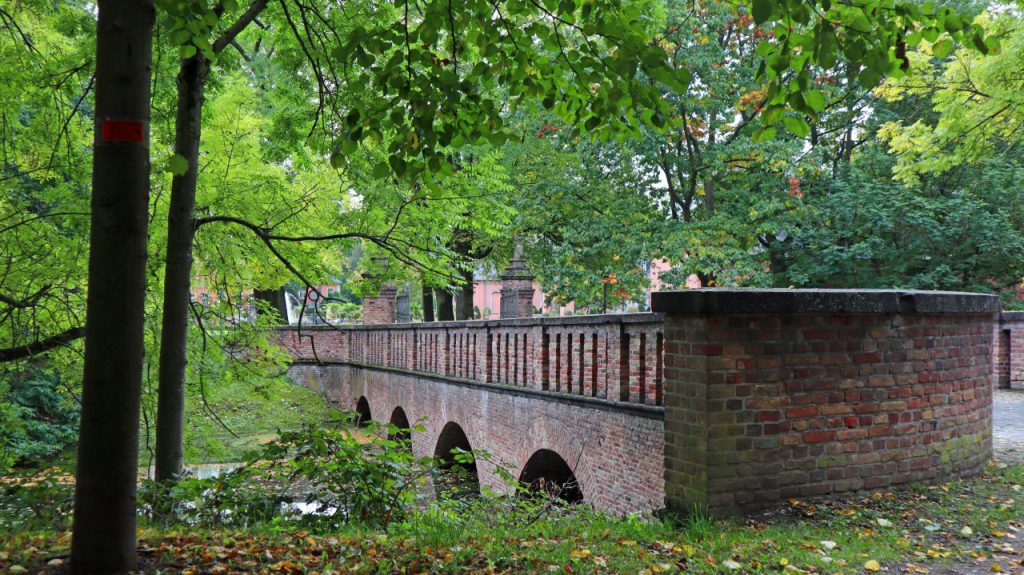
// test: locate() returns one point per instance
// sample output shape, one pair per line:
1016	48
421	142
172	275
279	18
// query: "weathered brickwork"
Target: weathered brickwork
734	399
616	452
761	407
616	358
1009	354
380	308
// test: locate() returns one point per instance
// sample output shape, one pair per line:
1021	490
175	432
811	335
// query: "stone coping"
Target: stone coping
1012	316
720	301
587	320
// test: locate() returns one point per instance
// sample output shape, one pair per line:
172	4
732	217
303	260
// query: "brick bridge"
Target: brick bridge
726	399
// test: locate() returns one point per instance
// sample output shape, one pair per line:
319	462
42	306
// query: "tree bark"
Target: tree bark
181	227
464	310
277	300
39	346
428	303
170	412
445	305
103	531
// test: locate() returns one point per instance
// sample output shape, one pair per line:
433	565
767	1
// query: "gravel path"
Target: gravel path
1008	444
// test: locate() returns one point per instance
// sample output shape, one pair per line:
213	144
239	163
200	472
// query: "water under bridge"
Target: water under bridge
726	399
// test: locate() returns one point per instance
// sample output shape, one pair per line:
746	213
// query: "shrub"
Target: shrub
316	478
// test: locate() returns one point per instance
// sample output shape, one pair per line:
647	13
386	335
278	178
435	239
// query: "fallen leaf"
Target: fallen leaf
873	565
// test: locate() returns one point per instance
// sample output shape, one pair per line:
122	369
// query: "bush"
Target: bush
317	478
36	500
38	417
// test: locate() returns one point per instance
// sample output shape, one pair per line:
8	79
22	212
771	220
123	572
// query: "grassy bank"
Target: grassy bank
238	417
969	526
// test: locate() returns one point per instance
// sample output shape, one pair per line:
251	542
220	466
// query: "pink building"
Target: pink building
487	299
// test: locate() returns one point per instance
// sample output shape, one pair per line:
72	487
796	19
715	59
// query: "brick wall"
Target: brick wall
1009	355
616	452
733	400
809	398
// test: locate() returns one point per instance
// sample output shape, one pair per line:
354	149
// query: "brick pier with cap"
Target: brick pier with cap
728	400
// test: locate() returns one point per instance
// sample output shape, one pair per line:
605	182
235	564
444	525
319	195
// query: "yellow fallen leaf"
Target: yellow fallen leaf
996	568
580	553
873	565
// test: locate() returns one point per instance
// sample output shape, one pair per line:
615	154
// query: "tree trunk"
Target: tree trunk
465	307
181	228
170	412
103	532
428	303
445	305
276	299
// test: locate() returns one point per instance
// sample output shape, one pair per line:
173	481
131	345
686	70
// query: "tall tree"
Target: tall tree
103	531
197	52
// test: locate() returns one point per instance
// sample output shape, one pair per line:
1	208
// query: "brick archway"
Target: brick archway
548	471
401	421
365	416
458	478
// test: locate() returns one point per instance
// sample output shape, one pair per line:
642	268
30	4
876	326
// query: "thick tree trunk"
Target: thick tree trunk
170	413
445	305
465	301
428	303
276	299
103	532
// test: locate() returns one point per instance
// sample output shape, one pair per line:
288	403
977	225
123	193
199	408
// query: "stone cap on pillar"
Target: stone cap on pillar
517	268
719	301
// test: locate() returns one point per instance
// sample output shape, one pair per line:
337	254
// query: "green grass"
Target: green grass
918	529
252	414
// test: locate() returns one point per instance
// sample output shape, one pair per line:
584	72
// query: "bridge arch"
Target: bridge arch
547	471
364	417
401	421
455	478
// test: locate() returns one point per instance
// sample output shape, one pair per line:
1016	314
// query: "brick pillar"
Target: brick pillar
772	394
1009	355
517	288
380	308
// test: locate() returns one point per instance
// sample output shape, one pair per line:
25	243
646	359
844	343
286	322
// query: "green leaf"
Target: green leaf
762	10
381	170
187	51
797	126
942	48
816	100
177	165
764	134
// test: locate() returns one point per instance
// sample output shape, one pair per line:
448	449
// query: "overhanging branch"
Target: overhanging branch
36	347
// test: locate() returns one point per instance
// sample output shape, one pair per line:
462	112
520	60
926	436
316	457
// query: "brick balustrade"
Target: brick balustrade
616	358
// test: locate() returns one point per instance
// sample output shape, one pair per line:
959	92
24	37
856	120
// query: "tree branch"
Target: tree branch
235	29
36	347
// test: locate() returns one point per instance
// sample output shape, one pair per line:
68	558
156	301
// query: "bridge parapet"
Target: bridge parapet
612	358
772	394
